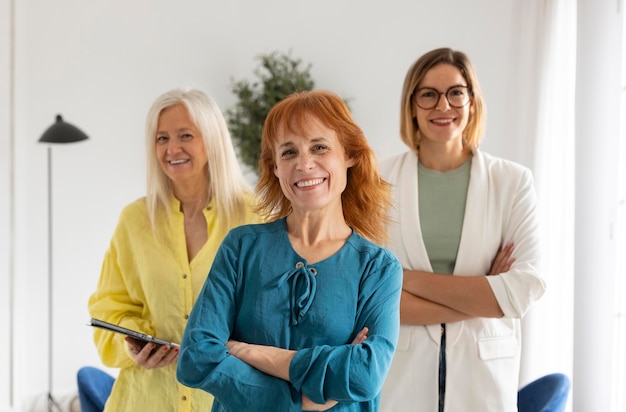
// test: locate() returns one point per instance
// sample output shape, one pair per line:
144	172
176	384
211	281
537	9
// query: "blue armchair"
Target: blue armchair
545	394
94	388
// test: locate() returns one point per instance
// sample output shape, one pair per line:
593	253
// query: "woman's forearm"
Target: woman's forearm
275	362
470	295
415	310
268	359
309	405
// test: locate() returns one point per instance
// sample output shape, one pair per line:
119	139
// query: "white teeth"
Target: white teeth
309	182
442	121
177	162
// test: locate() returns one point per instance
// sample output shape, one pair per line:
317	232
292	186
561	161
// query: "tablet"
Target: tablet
140	336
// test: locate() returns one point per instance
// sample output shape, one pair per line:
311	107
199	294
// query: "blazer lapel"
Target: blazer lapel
409	216
473	232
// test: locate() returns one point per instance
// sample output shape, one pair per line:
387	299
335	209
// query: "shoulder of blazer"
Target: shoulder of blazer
390	167
499	164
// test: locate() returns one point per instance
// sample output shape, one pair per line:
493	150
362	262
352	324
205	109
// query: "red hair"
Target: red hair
367	198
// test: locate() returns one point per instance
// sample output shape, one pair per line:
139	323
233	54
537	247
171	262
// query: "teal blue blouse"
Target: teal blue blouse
260	291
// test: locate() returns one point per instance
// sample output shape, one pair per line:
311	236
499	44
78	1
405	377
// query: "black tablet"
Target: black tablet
140	336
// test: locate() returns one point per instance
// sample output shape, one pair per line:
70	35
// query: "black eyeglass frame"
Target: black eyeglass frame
470	94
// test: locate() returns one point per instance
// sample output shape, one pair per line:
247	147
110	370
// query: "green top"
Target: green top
442	197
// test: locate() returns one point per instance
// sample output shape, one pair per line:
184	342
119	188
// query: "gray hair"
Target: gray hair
227	184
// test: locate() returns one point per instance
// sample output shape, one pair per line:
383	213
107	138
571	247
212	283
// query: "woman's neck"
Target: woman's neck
443	159
192	201
317	235
319	226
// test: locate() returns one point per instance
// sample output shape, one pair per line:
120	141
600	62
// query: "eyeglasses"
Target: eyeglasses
428	98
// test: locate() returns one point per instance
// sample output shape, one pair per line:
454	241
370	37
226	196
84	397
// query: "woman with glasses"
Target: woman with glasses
465	231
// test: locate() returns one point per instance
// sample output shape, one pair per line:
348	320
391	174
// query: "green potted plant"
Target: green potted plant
277	76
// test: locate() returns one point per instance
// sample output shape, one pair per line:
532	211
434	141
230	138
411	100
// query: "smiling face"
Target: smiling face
312	168
442	124
179	146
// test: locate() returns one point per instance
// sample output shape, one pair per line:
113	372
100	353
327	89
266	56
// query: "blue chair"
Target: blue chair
545	394
94	388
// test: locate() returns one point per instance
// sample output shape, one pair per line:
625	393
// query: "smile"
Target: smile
177	162
442	121
307	183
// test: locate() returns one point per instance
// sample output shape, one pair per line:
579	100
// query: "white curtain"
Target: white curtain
546	54
598	113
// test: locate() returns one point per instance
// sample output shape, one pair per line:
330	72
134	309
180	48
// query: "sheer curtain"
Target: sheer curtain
545	80
598	113
569	110
619	339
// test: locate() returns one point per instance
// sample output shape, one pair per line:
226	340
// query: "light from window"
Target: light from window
619	331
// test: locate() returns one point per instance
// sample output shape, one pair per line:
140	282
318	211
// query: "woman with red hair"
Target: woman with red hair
302	313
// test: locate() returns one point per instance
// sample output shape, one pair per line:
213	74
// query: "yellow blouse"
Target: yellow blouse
148	284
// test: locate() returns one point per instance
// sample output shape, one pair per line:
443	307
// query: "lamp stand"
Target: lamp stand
52	404
59	132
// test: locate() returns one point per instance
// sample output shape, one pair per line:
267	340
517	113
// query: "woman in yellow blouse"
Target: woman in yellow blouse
163	248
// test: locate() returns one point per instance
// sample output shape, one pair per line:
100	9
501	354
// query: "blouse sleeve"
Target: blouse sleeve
355	373
204	361
111	302
518	288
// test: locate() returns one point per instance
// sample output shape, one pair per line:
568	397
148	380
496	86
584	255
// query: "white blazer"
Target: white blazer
483	354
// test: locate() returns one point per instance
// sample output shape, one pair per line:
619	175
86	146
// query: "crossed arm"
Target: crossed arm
275	362
431	298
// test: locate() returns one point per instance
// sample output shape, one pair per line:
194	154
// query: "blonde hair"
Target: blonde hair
367	198
225	180
409	129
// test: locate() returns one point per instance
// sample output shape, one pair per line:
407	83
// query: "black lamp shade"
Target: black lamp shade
62	132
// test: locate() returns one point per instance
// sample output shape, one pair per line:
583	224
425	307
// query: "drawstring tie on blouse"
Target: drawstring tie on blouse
303	287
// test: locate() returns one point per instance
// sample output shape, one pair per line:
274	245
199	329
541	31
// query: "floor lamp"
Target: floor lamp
59	132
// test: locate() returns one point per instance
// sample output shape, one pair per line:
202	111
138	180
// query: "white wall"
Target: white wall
5	205
100	65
